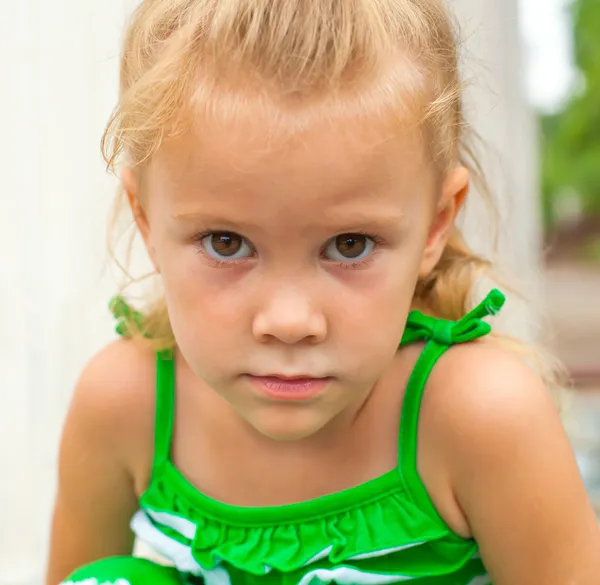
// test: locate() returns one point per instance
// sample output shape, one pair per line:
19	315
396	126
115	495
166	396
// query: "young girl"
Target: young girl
308	401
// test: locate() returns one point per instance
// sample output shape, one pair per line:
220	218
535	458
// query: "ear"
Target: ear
131	186
454	191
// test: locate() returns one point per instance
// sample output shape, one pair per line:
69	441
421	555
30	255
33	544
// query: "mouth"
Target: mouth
285	387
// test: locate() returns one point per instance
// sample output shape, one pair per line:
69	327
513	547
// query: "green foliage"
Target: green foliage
571	138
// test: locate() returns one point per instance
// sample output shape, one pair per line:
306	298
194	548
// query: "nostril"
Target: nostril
290	328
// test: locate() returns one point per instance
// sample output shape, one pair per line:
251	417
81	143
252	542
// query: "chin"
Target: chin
288	427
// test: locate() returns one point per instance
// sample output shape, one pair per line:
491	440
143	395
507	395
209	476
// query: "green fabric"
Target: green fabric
126	571
123	313
383	531
286	538
165	408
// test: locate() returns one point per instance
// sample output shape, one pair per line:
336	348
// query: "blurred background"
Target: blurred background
533	68
562	55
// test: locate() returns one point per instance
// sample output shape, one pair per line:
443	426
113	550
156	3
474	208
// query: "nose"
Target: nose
290	316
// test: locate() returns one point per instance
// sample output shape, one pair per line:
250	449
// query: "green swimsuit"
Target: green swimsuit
383	531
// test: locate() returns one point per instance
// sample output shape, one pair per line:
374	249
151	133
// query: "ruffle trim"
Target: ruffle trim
391	527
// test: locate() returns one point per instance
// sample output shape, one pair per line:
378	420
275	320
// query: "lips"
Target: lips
292	377
295	387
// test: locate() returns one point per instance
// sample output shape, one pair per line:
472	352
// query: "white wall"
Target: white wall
498	110
59	65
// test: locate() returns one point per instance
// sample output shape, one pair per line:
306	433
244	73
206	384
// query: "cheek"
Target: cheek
194	288
207	330
205	304
376	305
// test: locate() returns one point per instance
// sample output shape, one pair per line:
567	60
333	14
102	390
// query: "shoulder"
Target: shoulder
487	391
116	381
484	400
114	402
477	408
122	364
488	416
494	434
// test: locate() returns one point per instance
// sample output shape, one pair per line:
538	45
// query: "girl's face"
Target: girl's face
293	259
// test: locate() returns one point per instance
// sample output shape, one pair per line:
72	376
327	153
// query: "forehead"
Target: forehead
328	160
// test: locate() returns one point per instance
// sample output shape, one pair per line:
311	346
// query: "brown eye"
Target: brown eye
349	247
226	246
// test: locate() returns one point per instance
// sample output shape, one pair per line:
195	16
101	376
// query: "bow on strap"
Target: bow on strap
422	327
125	315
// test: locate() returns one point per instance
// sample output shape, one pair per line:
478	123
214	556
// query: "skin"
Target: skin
492	453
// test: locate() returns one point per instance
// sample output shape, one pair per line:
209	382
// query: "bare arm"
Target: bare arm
96	496
515	477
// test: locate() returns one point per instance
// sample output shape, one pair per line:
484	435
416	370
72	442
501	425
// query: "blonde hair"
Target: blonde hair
183	55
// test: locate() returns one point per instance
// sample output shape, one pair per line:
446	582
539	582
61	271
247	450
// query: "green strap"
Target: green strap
439	335
165	383
165	408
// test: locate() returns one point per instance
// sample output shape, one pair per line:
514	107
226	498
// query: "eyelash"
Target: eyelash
377	241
